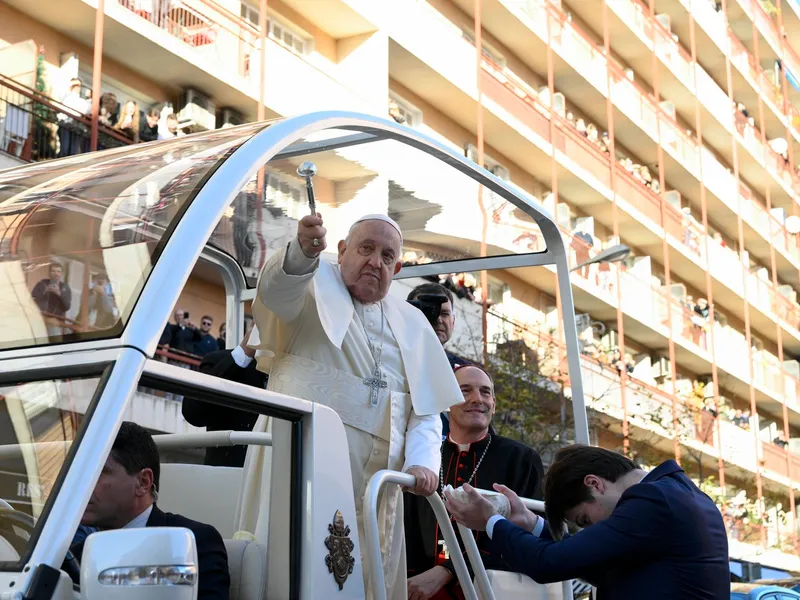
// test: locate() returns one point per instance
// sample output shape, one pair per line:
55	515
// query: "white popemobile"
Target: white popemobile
75	364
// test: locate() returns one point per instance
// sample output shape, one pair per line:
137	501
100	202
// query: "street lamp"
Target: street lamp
609	255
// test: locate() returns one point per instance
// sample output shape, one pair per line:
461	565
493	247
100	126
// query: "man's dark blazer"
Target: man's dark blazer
664	540
212	558
215	417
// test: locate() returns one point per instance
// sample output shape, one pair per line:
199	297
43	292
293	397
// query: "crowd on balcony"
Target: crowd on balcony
185	344
126	118
608	356
640	173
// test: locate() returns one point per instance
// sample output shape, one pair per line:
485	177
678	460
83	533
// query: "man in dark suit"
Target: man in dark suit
125	496
645	535
472	453
444	326
234	365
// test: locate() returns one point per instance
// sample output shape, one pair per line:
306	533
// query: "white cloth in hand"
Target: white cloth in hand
500	503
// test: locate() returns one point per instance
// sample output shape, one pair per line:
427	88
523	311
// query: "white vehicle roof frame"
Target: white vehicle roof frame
190	235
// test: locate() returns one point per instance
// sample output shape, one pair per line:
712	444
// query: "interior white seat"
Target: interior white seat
203	493
7	552
247	562
515	586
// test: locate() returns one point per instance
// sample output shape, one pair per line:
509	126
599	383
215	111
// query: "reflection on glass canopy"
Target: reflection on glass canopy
444	214
79	236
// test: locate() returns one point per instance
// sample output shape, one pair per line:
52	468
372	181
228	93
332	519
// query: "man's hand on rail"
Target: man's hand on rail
426	585
474	513
426	481
520	515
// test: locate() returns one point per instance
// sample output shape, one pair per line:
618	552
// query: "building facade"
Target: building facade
670	126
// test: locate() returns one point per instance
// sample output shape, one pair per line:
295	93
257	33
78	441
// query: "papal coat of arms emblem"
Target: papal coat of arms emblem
340	547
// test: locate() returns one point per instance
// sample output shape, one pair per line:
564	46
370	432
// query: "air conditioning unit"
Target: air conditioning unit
665	21
230	118
500	172
197	112
673	198
662	367
559	103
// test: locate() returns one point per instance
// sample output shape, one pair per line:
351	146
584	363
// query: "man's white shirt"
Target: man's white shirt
240	358
537	529
141	520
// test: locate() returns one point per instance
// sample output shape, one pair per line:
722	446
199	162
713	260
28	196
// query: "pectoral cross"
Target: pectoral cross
375	383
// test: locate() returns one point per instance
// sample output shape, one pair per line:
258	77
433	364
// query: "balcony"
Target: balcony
742	14
640	201
202	45
641	116
750	80
34	127
651	410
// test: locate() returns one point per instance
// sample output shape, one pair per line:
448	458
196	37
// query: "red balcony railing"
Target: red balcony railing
205	25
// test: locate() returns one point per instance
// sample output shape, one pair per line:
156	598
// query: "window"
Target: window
491	165
39	420
81	257
288	36
280	30
488	51
403	111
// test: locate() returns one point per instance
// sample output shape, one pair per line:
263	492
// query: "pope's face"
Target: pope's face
368	260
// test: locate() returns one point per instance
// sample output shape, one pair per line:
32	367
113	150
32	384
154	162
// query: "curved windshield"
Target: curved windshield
79	236
445	215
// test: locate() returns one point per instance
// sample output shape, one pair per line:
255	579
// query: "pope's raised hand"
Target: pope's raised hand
310	229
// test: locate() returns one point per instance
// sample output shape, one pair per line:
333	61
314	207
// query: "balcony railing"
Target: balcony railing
653	409
530	109
207	26
34	127
650	305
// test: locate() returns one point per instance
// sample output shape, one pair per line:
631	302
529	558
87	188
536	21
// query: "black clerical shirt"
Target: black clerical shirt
506	461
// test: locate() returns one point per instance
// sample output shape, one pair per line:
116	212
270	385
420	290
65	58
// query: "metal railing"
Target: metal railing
35	127
373	551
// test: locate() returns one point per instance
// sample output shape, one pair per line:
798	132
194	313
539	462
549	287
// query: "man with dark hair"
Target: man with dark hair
125	496
54	298
444	329
645	535
475	454
207	342
234	365
447	317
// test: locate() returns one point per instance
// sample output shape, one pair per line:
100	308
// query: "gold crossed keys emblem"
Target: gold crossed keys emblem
340	547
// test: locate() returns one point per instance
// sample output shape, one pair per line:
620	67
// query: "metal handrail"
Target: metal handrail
373	543
200	439
530	504
481	576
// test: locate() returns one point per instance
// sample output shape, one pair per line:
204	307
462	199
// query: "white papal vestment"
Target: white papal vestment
320	351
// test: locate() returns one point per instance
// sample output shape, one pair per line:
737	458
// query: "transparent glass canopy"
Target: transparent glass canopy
80	236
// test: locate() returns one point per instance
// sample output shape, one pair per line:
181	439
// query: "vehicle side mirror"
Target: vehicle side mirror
157	563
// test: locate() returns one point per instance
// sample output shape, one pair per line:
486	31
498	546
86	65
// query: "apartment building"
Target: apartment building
669	126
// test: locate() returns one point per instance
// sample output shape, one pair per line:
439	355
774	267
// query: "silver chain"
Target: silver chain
441	472
377	357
